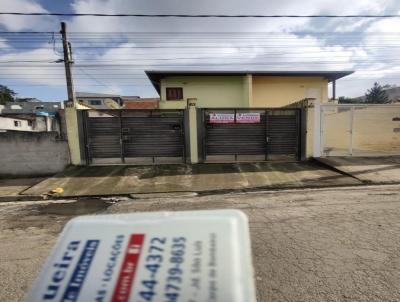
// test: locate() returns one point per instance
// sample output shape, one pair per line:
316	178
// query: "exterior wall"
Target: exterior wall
106	103
32	153
71	118
41	124
274	92
210	91
140	105
360	130
244	91
7	123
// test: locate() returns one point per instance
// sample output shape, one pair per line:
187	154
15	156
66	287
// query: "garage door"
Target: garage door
135	136
259	134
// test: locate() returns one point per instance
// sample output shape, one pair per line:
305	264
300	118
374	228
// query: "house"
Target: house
208	116
113	101
31	116
99	100
140	103
15	124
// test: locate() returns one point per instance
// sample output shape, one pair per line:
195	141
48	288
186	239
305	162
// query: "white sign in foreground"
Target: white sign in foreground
167	256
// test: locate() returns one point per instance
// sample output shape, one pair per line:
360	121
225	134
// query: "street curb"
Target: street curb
21	198
142	196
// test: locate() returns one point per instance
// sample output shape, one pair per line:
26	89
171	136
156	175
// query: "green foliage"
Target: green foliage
346	100
376	95
6	95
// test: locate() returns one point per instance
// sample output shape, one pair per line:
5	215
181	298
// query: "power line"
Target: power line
95	80
197	15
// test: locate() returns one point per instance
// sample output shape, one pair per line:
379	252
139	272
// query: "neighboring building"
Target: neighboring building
206	116
33	116
140	103
113	101
30	107
16	124
99	100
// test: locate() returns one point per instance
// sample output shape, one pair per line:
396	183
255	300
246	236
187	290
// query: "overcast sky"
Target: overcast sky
371	47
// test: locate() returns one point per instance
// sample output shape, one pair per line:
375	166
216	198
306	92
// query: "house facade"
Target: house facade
242	89
15	124
32	116
99	100
210	117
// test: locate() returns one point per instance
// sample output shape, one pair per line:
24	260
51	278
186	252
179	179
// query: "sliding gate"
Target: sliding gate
256	134
134	136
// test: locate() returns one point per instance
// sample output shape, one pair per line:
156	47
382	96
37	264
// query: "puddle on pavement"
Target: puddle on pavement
80	207
54	215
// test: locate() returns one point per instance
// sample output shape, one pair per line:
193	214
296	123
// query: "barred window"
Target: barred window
174	93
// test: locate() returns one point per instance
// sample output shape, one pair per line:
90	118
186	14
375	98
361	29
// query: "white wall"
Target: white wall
7	123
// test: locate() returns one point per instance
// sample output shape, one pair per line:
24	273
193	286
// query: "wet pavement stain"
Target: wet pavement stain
80	207
42	215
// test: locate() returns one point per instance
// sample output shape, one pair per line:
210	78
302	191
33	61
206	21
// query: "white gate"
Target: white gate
357	130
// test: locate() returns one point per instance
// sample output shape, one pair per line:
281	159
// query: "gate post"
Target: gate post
351	130
74	142
194	156
317	130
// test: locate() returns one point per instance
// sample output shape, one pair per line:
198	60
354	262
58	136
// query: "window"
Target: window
95	102
17	123
30	123
39	107
174	93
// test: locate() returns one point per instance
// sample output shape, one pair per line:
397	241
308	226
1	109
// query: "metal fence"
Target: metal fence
359	130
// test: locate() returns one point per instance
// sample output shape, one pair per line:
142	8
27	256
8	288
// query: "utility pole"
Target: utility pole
67	63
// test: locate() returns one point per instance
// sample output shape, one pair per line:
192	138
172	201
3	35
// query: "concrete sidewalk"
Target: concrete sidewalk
115	180
14	186
374	170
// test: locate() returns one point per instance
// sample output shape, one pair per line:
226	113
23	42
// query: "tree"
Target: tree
6	95
376	95
346	100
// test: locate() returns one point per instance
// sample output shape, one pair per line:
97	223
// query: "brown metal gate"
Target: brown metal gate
251	134
135	136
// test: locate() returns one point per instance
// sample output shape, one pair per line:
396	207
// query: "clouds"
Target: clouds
18	23
364	45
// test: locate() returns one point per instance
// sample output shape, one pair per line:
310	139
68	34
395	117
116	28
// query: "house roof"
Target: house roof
95	95
156	75
30	107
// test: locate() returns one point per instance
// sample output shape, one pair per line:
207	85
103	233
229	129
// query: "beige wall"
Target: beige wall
244	91
71	120
373	130
281	91
210	91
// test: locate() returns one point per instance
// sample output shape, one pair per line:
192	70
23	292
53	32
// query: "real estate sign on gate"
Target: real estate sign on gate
229	118
248	118
222	118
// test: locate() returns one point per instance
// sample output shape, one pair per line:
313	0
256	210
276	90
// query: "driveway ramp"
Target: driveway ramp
374	170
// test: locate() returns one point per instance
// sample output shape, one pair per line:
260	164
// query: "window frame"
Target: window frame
98	102
175	96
